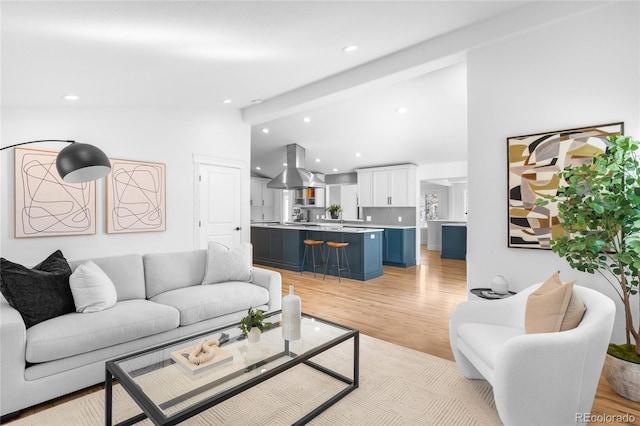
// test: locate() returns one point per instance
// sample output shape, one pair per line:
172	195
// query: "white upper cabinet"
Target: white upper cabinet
392	186
263	200
365	188
256	192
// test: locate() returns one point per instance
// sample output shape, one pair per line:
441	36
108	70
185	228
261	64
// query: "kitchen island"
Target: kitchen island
281	246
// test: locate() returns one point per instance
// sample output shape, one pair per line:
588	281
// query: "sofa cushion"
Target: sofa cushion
169	271
92	289
76	333
553	307
228	264
40	293
485	339
209	301
125	271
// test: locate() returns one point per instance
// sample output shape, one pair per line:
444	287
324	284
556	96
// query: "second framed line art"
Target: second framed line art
136	197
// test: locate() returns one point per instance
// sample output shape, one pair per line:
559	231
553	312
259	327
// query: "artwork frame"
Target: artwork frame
533	165
136	197
44	204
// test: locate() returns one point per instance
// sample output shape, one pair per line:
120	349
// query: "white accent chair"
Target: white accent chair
537	379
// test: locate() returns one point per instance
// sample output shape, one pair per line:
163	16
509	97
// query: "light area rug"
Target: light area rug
398	386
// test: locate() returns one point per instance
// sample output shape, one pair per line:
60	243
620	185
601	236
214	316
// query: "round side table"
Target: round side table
486	293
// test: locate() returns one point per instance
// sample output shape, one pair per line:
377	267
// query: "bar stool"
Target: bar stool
313	244
341	251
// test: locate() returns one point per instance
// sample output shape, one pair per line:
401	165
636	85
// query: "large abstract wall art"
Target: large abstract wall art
534	163
136	197
45	205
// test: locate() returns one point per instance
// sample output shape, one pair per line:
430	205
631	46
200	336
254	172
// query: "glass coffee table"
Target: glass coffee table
169	393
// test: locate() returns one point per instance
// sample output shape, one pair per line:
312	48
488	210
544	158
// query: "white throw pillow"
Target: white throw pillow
225	264
92	289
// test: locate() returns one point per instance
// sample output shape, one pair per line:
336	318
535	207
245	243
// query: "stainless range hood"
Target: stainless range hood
295	175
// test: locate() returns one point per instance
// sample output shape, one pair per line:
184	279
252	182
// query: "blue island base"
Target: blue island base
283	248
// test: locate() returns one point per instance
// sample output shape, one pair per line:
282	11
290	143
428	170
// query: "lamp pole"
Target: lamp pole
78	162
43	140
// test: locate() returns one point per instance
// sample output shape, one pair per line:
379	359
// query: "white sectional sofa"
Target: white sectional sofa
159	298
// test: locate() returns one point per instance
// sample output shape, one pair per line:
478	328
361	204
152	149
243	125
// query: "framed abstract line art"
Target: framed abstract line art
45	205
534	162
136	197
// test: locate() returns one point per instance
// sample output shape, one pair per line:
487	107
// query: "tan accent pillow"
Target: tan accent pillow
574	314
553	307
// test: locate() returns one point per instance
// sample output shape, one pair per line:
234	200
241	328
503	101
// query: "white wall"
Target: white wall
456	169
170	136
579	71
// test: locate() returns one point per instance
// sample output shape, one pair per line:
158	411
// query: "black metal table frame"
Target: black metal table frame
157	417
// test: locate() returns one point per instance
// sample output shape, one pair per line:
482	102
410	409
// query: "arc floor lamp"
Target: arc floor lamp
78	162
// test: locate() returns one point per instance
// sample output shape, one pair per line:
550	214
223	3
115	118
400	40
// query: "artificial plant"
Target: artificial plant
254	318
599	208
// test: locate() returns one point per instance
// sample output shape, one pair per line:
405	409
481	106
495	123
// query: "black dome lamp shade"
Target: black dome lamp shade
78	162
81	162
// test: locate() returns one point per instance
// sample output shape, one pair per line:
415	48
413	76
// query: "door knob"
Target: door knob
238	228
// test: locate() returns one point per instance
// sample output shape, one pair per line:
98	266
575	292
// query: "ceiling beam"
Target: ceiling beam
416	60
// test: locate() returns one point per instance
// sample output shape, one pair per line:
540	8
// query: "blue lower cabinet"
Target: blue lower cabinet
399	247
261	241
278	248
364	254
454	242
284	248
291	249
372	255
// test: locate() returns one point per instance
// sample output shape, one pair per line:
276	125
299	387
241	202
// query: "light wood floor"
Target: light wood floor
409	307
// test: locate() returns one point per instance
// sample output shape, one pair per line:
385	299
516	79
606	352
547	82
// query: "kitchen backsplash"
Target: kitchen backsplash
390	215
379	215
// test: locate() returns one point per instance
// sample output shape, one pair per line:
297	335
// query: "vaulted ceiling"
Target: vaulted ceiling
192	54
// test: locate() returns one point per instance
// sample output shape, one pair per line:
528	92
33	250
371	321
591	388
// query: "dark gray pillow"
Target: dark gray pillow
40	293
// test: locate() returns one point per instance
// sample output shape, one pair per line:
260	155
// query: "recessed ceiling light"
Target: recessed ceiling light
257	101
350	48
335	170
307	119
226	101
401	110
284	164
70	97
258	168
265	130
358	154
317	160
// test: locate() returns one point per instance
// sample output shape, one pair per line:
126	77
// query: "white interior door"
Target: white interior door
220	205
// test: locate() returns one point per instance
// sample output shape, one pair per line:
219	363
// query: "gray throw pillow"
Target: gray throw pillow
40	293
225	264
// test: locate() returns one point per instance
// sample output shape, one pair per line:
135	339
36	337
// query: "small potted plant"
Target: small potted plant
253	324
334	210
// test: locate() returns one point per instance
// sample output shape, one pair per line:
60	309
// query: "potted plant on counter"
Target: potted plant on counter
600	212
334	210
253	324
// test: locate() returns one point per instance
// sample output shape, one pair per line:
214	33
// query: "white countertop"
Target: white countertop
318	227
382	226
